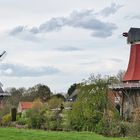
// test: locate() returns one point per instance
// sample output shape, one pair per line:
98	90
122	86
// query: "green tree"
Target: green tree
40	91
90	106
59	96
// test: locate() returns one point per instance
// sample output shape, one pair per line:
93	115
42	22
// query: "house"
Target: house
24	106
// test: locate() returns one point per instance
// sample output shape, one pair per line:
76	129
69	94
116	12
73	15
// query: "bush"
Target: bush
134	129
6	120
22	121
53	125
36	119
102	127
113	128
65	120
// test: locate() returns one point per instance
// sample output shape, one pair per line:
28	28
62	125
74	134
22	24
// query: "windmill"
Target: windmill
2	93
2	54
129	89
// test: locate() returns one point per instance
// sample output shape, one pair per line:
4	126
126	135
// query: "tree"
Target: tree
120	75
16	96
55	102
40	91
43	92
89	108
59	96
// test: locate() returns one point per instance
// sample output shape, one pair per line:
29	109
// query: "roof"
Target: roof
133	70
26	105
133	35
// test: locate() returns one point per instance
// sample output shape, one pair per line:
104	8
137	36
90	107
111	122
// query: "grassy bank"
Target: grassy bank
20	134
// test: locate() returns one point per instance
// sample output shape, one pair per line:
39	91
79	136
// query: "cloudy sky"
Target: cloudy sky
60	42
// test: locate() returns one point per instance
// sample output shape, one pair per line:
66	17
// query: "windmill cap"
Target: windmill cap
133	35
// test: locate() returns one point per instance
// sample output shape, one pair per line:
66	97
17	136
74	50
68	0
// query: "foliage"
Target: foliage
22	121
5	110
6	120
37	104
111	128
90	112
55	102
59	96
55	106
38	91
134	129
89	108
16	96
55	121
36	115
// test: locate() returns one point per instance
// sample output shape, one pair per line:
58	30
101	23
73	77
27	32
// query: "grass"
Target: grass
21	134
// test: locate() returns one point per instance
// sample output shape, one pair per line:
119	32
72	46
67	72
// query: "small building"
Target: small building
24	106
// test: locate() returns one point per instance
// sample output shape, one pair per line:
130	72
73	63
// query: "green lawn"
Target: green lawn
21	134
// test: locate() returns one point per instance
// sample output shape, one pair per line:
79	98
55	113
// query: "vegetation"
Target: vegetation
89	108
20	134
91	111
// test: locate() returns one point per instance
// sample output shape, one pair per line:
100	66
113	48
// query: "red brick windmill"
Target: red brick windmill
129	89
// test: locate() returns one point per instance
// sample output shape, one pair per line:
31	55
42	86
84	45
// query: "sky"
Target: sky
61	42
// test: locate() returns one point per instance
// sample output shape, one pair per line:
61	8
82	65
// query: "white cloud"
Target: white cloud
85	19
112	9
16	70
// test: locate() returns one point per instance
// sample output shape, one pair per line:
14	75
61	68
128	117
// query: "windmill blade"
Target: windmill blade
3	53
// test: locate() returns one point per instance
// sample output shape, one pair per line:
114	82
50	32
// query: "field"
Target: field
21	134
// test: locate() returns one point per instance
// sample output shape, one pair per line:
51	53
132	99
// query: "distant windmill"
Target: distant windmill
2	93
2	54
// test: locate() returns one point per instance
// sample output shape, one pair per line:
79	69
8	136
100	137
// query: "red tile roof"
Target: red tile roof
26	105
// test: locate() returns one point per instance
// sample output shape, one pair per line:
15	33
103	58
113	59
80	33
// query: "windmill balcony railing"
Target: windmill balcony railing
124	85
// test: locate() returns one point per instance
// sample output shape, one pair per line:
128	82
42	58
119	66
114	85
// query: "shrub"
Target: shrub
37	117
65	121
53	125
134	129
6	120
113	128
18	116
22	121
102	127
